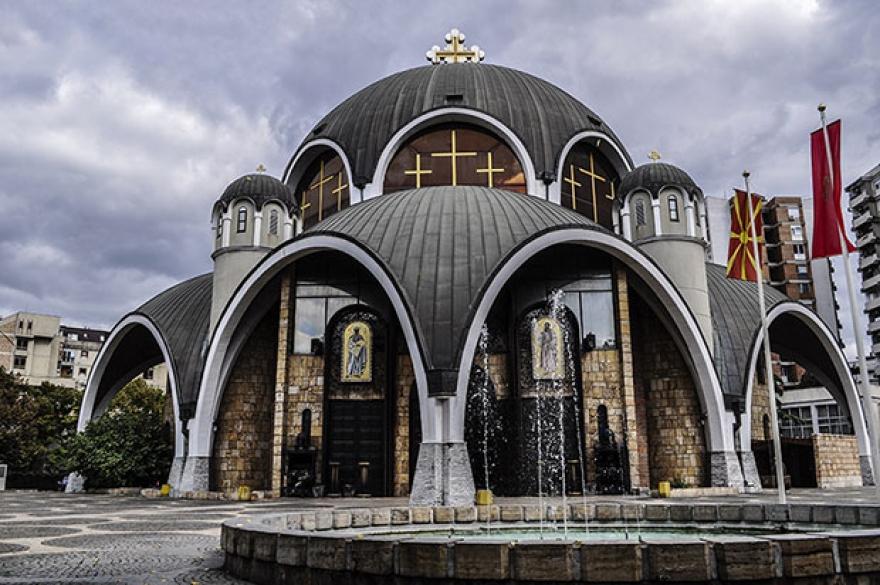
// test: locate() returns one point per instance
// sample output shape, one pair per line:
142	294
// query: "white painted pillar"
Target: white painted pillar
258	228
287	230
227	228
655	209
627	224
690	215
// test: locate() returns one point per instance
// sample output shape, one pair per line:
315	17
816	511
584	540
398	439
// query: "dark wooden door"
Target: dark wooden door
356	433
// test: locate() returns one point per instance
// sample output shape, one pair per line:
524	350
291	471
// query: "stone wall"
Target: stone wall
601	383
837	461
305	390
675	433
404	380
243	441
760	407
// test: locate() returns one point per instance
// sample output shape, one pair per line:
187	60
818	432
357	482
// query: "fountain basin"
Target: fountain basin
630	542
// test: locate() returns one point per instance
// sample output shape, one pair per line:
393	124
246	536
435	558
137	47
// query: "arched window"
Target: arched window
673	208
588	182
323	189
455	154
641	218
273	222
219	225
242	219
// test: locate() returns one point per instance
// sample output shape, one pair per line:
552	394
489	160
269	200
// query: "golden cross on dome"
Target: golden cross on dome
340	187
319	184
654	155
304	204
593	178
453	154
418	171
260	168
490	172
455	51
574	184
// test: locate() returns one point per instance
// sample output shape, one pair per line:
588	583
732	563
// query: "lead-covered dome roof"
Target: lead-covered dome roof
654	176
260	188
543	116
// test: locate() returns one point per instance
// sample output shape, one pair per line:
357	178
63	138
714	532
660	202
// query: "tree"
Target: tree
35	422
129	445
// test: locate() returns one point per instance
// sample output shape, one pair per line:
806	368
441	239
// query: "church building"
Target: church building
463	281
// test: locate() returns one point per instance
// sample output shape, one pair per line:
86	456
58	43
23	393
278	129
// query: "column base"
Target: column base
195	475
176	472
725	470
443	476
865	464
751	477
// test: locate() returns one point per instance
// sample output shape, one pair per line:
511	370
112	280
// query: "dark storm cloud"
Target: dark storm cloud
120	123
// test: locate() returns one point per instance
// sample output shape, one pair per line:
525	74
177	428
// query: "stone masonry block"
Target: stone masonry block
327	553
846	514
612	561
679	560
478	560
859	551
681	512
291	550
869	515
264	546
823	514
804	555
361	517
373	555
427	558
381	516
323	520
465	514
752	513
705	512
545	561
488	513
509	513
420	515
657	512
444	515
400	515
341	519
608	512
744	558
800	513
776	512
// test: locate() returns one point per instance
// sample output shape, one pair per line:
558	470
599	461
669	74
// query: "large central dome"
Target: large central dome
543	116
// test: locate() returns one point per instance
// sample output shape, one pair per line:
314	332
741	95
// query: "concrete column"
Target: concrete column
627	388
443	476
288	228
176	472
655	210
626	222
691	218
258	228
751	477
865	464
279	421
227	228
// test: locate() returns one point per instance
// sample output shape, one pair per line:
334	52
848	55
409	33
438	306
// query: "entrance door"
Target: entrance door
356	410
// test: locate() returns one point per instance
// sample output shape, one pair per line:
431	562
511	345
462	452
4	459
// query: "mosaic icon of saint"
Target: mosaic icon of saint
548	348
357	355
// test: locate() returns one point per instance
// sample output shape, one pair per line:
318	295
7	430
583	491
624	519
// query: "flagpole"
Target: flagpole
867	405
765	333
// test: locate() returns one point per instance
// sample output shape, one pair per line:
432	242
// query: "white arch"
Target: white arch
820	329
299	159
452	114
720	436
88	408
556	186
211	387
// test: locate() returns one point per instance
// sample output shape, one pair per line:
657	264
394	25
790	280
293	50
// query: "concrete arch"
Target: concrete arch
719	436
224	339
622	164
453	115
297	165
91	408
828	342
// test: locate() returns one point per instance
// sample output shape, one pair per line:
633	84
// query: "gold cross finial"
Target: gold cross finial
261	168
654	155
455	50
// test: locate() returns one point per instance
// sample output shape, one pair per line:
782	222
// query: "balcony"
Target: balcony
863	219
870	282
874	326
867	239
858	201
868	261
871	305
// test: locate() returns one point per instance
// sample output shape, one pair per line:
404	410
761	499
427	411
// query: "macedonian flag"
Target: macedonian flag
741	261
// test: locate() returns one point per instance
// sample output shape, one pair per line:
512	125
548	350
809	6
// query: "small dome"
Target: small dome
656	175
260	188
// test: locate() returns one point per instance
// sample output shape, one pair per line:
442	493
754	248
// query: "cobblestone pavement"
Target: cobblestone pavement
84	539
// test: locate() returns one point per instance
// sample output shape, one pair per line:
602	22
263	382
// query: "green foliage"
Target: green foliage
35	422
129	445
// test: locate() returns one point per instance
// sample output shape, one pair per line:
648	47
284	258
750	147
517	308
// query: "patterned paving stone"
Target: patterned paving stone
9	532
77	521
156	525
8	547
147	543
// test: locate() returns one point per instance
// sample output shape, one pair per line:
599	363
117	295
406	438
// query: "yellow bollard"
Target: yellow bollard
165	490
664	489
484	497
244	493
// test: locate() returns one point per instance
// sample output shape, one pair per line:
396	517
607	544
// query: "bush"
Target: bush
129	445
35	423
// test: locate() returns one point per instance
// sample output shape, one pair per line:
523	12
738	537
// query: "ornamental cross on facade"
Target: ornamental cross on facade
654	156
455	51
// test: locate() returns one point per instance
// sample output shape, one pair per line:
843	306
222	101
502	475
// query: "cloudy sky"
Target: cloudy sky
121	122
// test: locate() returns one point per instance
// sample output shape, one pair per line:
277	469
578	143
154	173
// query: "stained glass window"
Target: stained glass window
455	155
673	208
589	183
324	189
273	222
242	219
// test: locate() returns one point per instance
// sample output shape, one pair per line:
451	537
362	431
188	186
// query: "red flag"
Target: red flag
827	214
741	261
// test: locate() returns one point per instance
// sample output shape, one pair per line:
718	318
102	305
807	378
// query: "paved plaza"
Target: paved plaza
48	537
